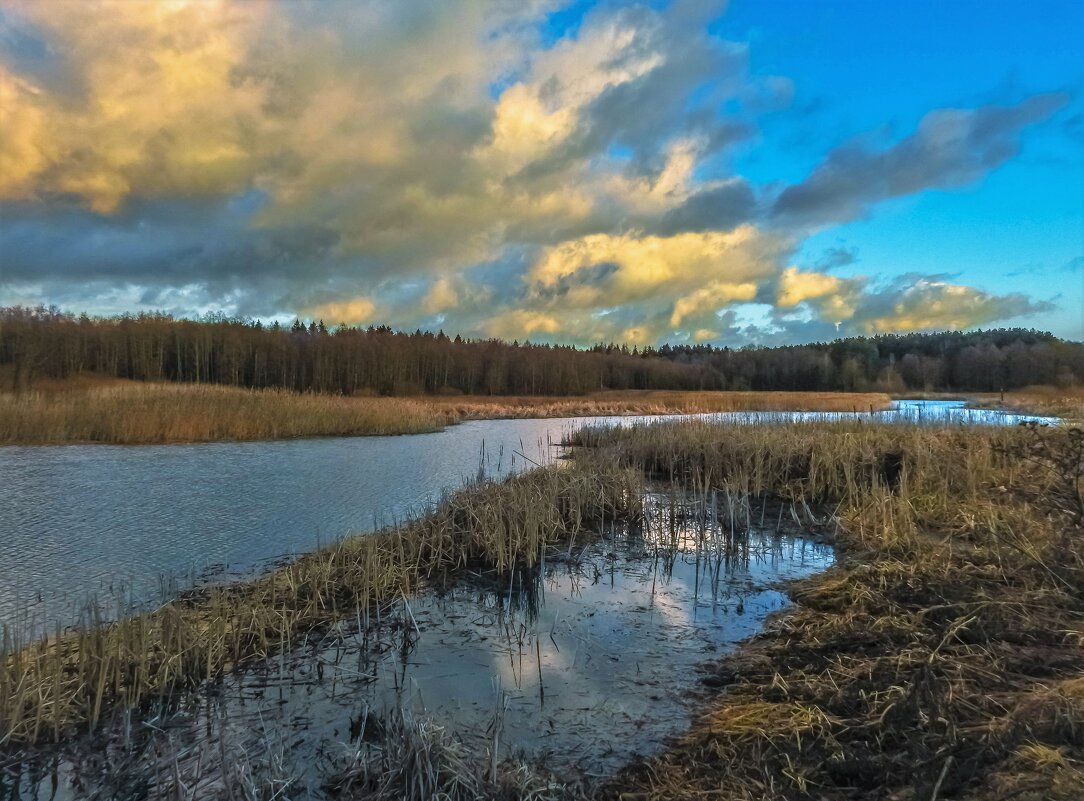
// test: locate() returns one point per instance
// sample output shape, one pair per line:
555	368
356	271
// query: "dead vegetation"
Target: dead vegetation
941	659
89	408
133	413
54	685
1050	401
631	402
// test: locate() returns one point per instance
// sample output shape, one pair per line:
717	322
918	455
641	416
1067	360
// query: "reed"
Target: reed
130	413
49	687
646	402
1052	401
941	658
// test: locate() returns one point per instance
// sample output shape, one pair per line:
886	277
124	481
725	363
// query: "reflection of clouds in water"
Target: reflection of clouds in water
616	683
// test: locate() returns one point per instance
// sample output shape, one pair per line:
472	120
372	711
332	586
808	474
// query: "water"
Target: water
125	524
591	658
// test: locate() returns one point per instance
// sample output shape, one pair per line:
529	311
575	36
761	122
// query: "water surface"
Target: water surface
125	524
582	663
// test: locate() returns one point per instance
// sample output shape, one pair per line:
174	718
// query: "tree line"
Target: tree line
308	356
977	361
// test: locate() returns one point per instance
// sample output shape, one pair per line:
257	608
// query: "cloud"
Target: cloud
437	164
915	303
951	147
354	312
520	323
834	298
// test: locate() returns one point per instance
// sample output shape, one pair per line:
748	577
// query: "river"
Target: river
124	525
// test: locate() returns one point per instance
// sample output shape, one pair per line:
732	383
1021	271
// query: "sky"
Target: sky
685	171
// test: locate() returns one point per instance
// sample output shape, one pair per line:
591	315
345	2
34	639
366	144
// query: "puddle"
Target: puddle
581	664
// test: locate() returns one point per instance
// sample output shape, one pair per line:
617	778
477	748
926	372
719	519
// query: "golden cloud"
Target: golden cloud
834	297
354	312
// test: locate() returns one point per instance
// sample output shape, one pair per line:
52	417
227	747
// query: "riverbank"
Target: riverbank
1044	401
648	402
87	410
1067	403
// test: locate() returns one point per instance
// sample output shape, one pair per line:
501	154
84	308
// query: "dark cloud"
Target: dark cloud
951	147
836	257
719	209
155	243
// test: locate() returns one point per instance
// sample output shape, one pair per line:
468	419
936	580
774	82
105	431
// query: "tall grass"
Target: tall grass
72	678
132	413
627	402
942	657
90	409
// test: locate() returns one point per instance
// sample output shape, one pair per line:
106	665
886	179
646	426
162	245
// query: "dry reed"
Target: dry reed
940	659
132	413
52	685
635	402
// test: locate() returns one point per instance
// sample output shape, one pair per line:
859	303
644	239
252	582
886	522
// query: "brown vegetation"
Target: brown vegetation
93	408
130	413
625	402
940	659
1051	401
51	686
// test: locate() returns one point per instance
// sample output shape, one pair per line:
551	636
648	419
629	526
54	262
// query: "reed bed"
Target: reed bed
636	402
51	687
1051	401
941	658
131	413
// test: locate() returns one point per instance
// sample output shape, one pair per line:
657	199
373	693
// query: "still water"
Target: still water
125	524
593	656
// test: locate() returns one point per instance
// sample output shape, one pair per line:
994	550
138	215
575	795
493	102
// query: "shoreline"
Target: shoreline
135	413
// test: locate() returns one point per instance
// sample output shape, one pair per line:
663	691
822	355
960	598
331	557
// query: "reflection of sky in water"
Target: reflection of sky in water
617	631
110	521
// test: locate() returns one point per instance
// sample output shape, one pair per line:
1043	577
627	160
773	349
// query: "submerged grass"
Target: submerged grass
942	657
130	413
50	687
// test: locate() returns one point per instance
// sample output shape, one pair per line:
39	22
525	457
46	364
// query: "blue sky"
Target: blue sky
684	171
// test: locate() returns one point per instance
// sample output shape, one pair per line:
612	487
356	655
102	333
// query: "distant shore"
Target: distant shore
89	409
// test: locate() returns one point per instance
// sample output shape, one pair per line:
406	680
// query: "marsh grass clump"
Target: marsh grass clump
415	759
51	686
941	657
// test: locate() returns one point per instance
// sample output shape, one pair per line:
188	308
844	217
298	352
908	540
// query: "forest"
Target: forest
38	343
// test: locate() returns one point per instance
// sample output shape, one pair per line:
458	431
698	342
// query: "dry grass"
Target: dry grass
131	413
942	658
53	685
633	402
89	408
1066	402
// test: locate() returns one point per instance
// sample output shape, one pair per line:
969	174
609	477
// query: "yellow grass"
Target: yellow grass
635	401
94	409
941	658
1067	402
129	413
72	678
